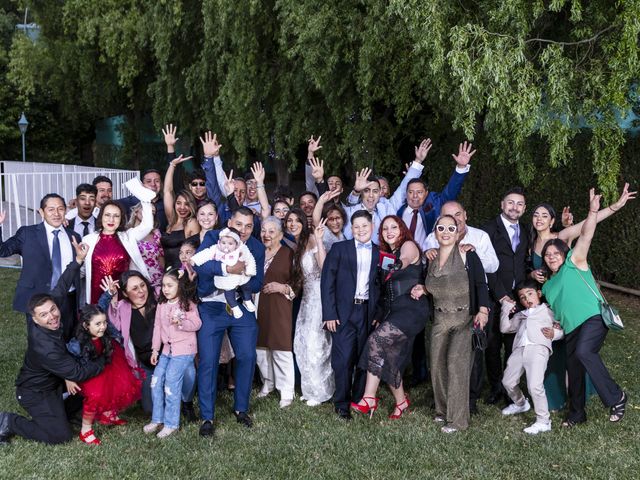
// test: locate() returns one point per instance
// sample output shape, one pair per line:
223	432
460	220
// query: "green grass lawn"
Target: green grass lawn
303	442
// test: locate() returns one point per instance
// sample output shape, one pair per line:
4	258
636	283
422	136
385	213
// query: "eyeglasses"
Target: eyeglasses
448	228
281	210
198	184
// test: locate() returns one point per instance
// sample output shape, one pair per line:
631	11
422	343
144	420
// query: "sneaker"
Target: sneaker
448	429
538	427
237	312
151	427
263	393
312	403
286	402
165	432
514	408
249	305
439	419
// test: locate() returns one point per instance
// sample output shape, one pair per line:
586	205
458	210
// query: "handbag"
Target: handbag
479	339
610	315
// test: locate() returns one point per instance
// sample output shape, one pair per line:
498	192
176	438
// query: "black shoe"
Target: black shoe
206	429
493	398
244	419
5	431
344	414
188	412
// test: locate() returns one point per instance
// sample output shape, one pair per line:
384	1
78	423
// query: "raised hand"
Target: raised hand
314	146
81	249
422	150
625	196
210	145
169	133
318	231
362	179
329	195
177	161
594	201
567	217
464	154
258	172
109	285
317	169
407	166
229	184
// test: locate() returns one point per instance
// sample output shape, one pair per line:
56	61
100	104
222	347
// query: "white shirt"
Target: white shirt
78	227
420	235
66	249
524	340
509	226
364	267
482	243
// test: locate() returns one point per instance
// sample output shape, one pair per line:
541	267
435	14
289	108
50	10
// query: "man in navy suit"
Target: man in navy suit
46	251
419	213
510	240
216	319
349	297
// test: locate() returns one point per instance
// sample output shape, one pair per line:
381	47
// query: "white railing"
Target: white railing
22	185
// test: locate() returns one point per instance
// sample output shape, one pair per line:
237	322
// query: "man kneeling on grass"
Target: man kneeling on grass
39	387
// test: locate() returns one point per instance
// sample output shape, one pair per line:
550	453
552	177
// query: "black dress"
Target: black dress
388	348
171	243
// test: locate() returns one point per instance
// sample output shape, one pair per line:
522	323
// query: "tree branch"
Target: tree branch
586	40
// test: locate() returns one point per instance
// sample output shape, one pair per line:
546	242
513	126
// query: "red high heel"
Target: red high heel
366	408
111	420
87	434
405	402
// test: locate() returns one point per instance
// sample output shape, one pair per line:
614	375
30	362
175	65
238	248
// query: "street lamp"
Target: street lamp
23	124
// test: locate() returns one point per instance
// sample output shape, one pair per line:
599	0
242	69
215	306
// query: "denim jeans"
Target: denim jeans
166	388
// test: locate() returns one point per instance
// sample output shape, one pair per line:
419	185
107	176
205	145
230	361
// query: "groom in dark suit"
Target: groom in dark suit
510	240
349	297
46	251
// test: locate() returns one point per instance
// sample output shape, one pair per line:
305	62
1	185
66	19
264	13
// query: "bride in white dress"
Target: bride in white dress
312	344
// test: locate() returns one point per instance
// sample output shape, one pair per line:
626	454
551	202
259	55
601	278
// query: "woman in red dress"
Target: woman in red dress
116	387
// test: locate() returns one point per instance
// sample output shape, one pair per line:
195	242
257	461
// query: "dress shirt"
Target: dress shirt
482	243
66	249
524	340
364	267
508	226
255	206
420	236
78	227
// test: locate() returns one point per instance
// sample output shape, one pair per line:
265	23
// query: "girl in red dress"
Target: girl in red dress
113	390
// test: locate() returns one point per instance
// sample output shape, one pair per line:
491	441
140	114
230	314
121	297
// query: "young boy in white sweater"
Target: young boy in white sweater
535	328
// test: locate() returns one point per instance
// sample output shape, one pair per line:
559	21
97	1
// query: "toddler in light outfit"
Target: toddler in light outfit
535	329
230	250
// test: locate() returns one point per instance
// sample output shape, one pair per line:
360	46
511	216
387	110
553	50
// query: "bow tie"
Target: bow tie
363	245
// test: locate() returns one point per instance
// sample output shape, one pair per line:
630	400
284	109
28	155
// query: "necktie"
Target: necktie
56	260
85	230
364	245
414	223
515	241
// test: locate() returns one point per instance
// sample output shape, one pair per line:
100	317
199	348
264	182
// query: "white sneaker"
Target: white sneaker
151	427
263	393
448	429
249	305
538	427
165	432
312	403
285	402
513	408
237	312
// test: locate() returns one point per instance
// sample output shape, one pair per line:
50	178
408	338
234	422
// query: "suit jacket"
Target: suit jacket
35	277
512	269
338	283
209	270
531	321
431	207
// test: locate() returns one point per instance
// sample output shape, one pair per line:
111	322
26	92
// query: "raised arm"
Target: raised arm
258	173
570	233
322	201
581	250
318	234
415	170
211	149
309	178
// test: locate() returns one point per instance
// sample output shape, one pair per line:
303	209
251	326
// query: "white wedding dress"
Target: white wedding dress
312	344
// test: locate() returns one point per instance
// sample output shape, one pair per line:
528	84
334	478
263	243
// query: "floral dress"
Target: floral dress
151	250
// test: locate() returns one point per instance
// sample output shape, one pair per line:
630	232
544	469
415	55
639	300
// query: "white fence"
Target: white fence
23	184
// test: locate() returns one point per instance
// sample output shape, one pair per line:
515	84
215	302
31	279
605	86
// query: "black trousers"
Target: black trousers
48	413
583	355
477	376
496	340
347	344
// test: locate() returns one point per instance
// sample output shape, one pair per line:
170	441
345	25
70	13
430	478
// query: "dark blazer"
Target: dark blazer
338	283
207	271
433	203
35	277
512	265
478	291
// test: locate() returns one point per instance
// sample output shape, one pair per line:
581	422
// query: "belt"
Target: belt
360	301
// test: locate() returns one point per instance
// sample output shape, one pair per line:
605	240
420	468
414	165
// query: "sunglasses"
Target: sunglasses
448	228
198	184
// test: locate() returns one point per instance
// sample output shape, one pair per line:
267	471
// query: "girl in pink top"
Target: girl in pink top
176	324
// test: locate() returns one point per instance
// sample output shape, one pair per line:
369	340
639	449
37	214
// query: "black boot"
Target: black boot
188	412
5	431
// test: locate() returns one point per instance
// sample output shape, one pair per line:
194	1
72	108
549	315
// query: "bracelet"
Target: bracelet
260	186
